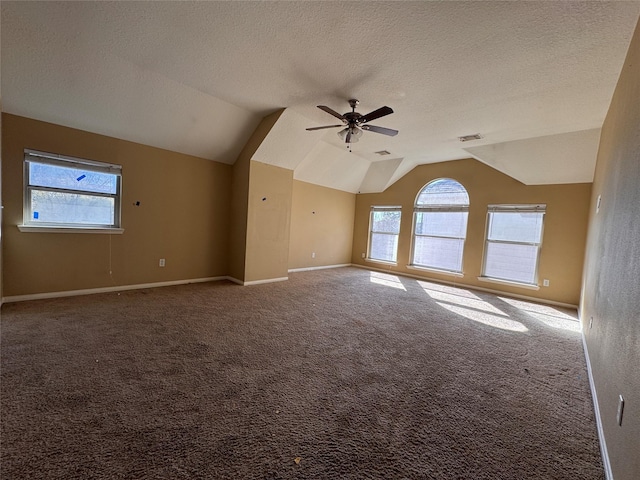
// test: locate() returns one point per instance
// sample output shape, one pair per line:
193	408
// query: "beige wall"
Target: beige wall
565	225
238	220
240	197
321	223
269	217
611	292
183	216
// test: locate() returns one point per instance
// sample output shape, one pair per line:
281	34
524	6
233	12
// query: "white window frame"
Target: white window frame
34	156
425	208
537	208
371	232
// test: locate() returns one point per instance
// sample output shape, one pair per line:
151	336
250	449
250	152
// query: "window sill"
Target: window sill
435	270
383	262
529	286
50	229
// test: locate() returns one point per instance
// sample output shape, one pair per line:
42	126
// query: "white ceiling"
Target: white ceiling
534	78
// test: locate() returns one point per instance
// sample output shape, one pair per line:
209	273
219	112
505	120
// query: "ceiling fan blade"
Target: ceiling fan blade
382	130
331	112
326	126
381	112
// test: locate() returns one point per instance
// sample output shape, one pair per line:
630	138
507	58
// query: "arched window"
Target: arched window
440	225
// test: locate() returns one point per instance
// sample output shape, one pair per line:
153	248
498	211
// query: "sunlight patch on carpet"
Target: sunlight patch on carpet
435	287
546	314
486	318
387	280
473	303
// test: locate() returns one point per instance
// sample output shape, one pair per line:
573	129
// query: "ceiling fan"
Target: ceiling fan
356	122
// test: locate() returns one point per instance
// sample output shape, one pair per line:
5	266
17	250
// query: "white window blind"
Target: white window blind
384	228
514	237
440	225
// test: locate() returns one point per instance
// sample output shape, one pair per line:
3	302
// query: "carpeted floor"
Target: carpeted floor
335	374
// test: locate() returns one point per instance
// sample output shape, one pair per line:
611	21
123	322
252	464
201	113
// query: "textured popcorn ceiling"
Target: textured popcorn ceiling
196	77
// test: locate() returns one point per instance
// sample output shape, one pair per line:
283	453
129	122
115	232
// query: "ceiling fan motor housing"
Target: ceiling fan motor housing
352	118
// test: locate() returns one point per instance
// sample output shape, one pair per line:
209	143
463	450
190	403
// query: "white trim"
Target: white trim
119	288
42	157
603	444
382	262
257	282
323	267
534	207
435	270
385	208
471	287
266	280
51	229
509	284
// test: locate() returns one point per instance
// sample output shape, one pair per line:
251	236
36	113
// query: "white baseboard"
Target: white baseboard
603	444
256	282
118	288
470	287
122	288
266	280
307	269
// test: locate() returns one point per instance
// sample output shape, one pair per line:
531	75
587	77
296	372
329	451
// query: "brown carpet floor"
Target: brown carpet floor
335	374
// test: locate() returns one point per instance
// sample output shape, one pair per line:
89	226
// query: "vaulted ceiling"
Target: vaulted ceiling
534	79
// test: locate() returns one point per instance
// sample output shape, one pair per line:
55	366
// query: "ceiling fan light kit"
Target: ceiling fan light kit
350	134
356	122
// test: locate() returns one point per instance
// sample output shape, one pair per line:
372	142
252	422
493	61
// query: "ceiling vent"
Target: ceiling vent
383	152
468	138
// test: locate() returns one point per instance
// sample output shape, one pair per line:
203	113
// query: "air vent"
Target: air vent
383	152
467	138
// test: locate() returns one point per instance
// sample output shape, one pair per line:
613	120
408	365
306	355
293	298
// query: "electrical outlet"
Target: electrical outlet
363	255
161	262
590	323
313	255
545	283
598	203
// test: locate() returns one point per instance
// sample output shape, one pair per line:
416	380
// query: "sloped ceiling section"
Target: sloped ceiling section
379	175
570	157
197	78
287	144
316	161
332	167
55	75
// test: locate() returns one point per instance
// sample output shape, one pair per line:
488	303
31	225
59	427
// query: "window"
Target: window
70	192
440	226
384	227
514	235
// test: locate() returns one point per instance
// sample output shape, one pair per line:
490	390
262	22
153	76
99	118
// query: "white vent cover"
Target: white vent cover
466	138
